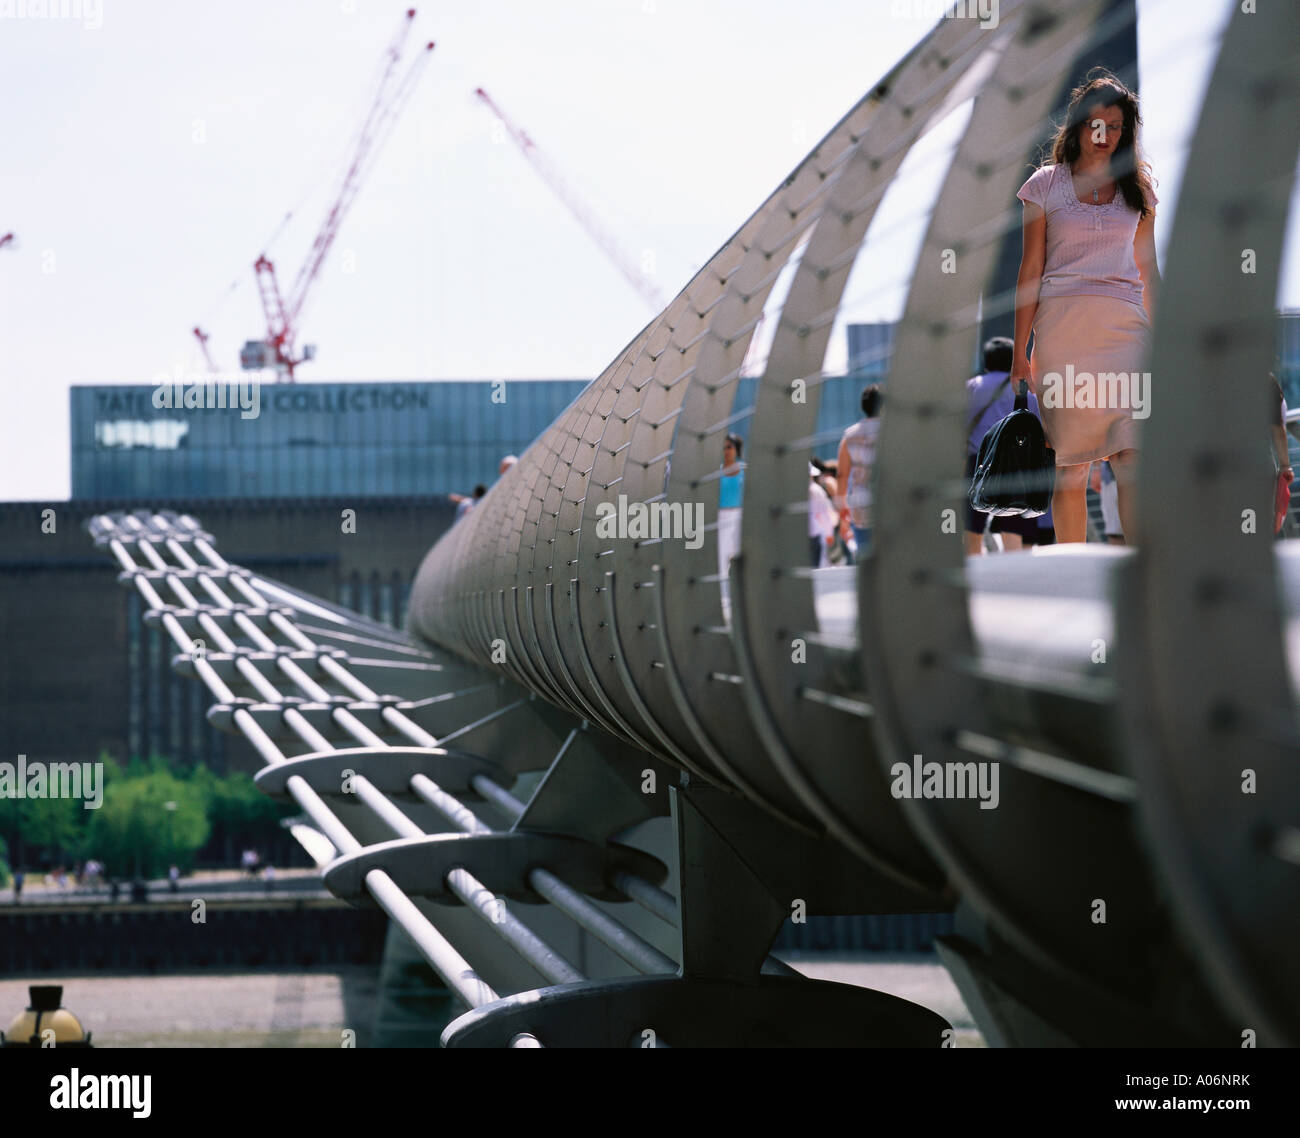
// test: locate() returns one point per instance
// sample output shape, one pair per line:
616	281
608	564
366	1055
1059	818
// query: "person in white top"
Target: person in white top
1087	292
823	520
854	464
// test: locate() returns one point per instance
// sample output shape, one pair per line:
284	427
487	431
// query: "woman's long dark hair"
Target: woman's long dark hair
1132	173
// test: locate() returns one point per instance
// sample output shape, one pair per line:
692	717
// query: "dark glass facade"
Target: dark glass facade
314	440
871	346
303	440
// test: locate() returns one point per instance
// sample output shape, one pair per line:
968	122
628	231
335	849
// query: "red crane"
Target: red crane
283	311
577	207
203	339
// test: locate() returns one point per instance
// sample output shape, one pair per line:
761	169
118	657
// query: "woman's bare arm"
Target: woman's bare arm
1280	448
1030	279
1144	253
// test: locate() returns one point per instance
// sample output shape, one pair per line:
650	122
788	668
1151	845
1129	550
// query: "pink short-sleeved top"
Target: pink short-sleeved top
1089	248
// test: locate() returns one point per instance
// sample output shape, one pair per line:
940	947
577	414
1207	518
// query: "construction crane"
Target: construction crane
577	207
203	339
283	311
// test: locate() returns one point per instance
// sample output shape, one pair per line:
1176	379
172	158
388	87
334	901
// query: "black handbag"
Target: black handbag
1015	470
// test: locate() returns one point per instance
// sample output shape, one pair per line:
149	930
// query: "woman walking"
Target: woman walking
1087	291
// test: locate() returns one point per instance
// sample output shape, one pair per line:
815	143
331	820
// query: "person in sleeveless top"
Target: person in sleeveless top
853	466
1087	292
731	496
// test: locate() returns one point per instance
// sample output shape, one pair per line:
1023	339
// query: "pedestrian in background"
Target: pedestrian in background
854	463
465	503
990	397
823	520
844	546
731	496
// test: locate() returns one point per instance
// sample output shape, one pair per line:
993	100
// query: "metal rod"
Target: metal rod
637	952
497	795
524	1039
448	806
302	727
648	895
384	809
472	989
526	943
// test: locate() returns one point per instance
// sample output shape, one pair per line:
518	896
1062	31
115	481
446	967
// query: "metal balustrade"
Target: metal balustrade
735	735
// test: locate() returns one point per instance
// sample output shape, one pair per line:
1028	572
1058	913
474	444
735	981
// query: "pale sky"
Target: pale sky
152	147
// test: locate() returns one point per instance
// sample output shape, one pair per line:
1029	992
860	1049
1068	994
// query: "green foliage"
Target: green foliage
133	831
136	829
56	824
235	803
4	865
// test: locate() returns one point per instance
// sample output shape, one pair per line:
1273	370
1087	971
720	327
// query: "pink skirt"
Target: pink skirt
1081	345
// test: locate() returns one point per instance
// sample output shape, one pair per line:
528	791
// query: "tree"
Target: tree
136	830
237	810
57	825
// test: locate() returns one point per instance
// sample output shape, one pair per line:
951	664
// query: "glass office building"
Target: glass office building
316	440
871	347
303	440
